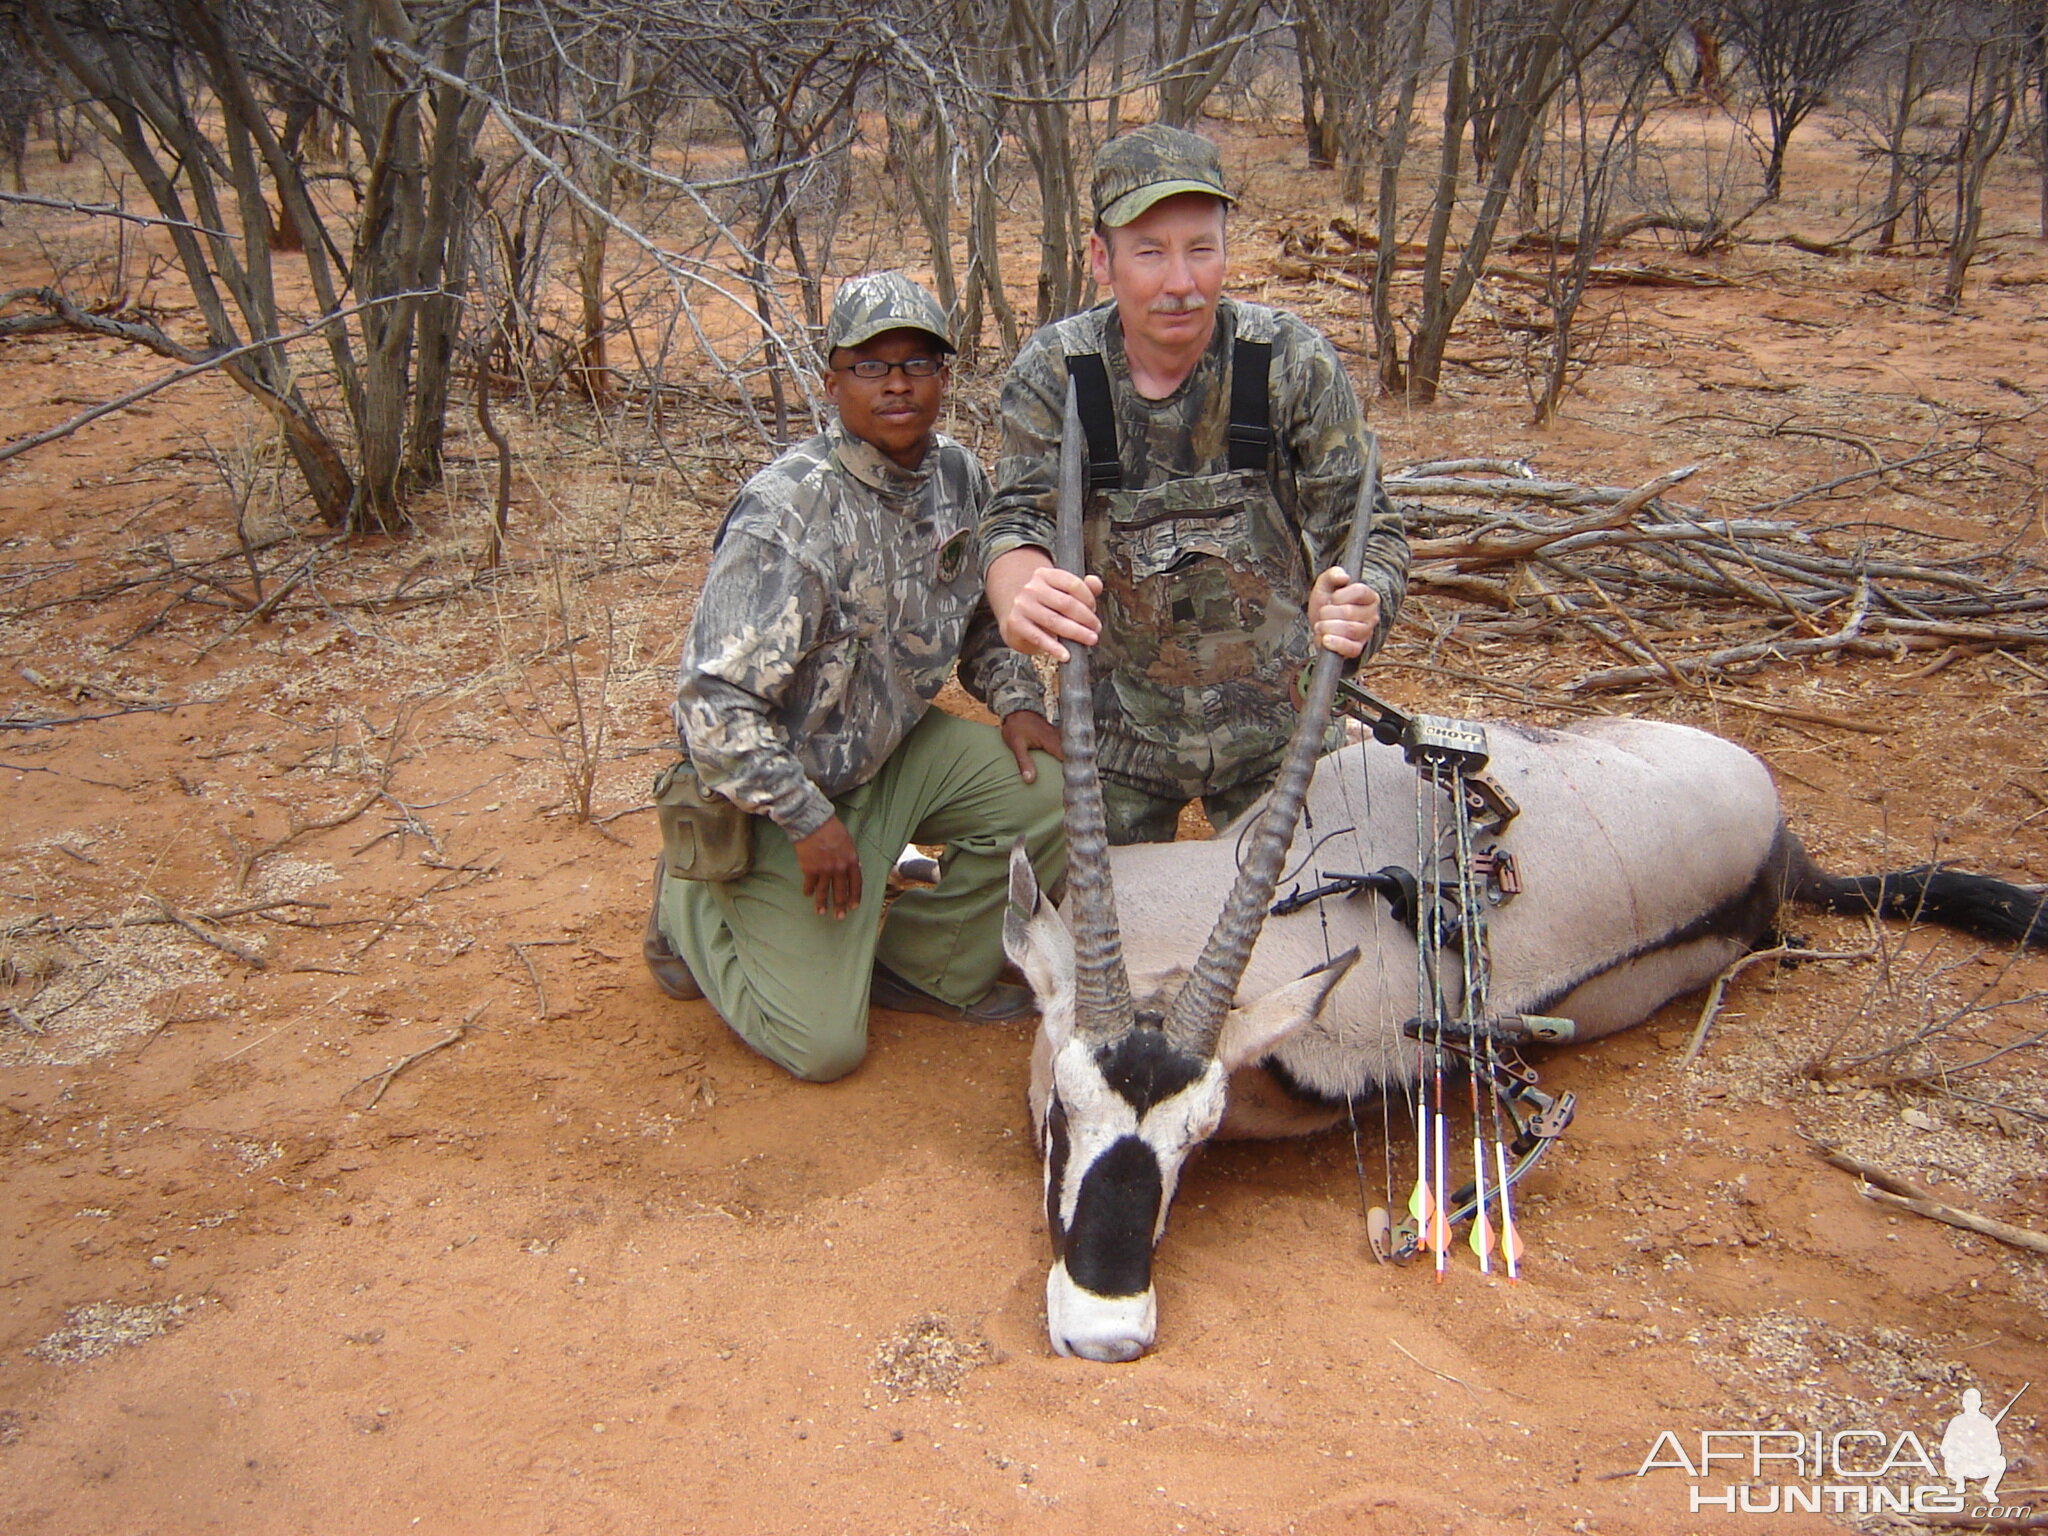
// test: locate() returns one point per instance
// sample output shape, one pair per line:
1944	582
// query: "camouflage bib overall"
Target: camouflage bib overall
1204	589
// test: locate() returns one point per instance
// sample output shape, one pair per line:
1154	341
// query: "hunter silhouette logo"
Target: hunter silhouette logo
1969	1446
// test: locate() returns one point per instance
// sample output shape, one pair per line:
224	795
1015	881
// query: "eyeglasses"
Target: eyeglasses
876	368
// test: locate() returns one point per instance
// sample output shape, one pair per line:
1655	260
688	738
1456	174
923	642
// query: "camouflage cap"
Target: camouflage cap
1137	169
884	301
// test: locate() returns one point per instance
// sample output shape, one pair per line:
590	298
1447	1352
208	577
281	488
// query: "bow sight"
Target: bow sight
1433	741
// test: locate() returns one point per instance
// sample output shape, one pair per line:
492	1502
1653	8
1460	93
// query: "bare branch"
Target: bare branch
203	365
109	211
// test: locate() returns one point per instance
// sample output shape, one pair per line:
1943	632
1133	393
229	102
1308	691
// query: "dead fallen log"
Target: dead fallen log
1902	1194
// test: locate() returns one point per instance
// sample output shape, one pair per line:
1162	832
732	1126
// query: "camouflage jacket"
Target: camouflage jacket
842	591
1318	437
1199	667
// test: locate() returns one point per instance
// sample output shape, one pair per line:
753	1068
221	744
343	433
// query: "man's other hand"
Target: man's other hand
1025	731
1037	605
1342	613
831	866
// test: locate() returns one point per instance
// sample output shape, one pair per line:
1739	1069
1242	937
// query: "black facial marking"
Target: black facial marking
1143	1069
1110	1252
1055	1173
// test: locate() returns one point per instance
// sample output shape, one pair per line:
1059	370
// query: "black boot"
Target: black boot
670	971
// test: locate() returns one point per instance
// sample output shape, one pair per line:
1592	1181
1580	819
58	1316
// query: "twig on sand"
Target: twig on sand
398	911
1804	716
1440	1375
1711	1010
172	915
108	714
1889	1189
20	1020
539	991
44	922
249	858
243	1050
383	1079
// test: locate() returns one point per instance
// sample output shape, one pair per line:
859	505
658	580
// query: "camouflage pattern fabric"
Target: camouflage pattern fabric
1135	170
1134	816
1203	632
841	593
877	302
1205	571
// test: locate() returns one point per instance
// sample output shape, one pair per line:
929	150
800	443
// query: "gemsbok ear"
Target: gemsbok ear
1036	939
1250	1032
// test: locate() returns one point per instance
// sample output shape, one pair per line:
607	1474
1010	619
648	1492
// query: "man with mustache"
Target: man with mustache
1225	448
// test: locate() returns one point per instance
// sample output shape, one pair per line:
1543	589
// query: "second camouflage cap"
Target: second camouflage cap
884	301
1137	169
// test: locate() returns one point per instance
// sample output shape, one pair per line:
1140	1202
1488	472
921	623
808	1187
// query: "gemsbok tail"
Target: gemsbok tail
1974	904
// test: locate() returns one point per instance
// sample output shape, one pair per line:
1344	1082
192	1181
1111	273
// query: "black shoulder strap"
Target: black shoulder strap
1098	420
1251	422
1250	433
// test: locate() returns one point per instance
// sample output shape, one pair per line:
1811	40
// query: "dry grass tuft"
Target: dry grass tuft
101	1327
927	1356
27	961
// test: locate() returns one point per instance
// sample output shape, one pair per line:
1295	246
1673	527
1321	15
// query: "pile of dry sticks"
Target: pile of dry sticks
1666	586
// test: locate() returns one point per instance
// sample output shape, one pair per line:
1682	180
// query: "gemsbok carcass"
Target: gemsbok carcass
1648	857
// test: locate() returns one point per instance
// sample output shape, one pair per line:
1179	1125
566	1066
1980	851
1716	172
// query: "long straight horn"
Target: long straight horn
1205	997
1102	988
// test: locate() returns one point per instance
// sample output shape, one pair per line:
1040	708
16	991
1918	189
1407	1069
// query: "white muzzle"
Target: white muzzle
1109	1329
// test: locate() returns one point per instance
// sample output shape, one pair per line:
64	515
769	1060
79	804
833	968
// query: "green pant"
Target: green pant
1137	816
793	984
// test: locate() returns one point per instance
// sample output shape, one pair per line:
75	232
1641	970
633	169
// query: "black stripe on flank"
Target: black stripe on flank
1745	916
1295	1088
1143	1068
1109	1251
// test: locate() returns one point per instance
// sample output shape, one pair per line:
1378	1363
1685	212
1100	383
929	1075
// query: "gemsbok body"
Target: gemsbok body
1647	858
1650	857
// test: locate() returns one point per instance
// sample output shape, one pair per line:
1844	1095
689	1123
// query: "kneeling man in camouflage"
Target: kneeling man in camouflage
844	586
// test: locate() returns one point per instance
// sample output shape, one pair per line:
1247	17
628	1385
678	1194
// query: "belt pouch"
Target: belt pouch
704	836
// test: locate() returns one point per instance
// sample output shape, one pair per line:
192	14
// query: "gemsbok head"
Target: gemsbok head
1124	1088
